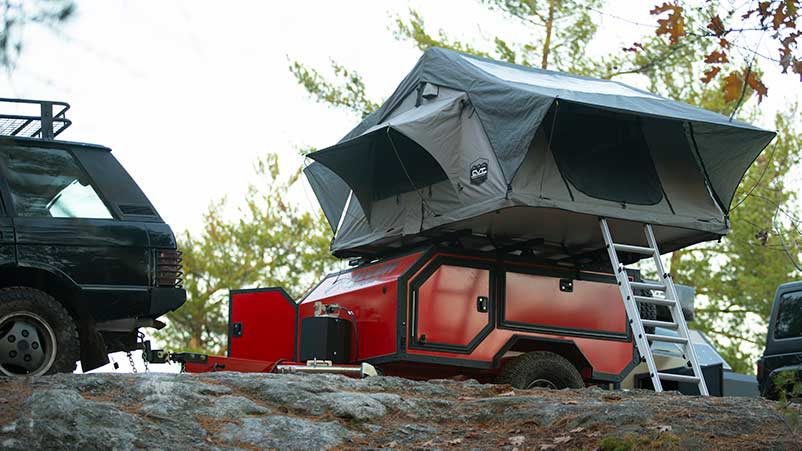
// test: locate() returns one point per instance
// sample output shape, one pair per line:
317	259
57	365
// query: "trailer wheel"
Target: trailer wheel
540	369
37	334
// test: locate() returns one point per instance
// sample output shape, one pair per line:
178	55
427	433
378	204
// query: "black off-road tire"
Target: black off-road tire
25	301
534	368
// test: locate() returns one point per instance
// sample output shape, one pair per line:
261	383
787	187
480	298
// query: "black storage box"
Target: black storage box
326	338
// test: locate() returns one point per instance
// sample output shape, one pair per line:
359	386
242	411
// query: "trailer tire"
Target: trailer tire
37	334
540	369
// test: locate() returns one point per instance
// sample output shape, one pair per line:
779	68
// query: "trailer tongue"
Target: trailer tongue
481	201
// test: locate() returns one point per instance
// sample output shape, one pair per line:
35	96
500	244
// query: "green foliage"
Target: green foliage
653	440
789	390
558	33
414	30
348	92
272	243
559	36
16	14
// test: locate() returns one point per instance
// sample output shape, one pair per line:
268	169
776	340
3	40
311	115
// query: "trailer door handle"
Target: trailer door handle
236	330
481	304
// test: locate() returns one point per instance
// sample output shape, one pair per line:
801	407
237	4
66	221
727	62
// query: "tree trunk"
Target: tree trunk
544	64
195	341
675	265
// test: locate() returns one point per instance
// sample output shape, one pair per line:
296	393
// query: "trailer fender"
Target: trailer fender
565	348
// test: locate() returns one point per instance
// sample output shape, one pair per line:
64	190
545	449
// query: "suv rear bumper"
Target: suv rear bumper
163	300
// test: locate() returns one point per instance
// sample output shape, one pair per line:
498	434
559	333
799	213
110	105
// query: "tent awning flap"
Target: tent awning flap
330	190
726	154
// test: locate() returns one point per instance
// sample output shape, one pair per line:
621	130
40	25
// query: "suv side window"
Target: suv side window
789	316
49	183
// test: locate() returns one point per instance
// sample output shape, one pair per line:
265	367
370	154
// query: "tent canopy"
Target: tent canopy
464	143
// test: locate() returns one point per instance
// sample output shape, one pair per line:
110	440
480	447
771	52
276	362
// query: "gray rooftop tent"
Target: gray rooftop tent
491	155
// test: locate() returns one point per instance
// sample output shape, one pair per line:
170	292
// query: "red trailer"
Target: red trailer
438	313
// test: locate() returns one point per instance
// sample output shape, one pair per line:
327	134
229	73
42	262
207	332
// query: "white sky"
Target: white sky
189	93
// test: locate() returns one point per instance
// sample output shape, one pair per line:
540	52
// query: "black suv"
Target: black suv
781	363
85	260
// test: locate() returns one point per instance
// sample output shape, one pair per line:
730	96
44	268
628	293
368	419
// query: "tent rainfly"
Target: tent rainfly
498	156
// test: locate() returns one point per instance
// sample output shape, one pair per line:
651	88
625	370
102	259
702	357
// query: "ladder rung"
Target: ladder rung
667	338
655	301
633	249
678	378
663	324
648	286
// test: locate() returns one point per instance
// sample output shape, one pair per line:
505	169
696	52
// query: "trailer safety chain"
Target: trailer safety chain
131	361
141	337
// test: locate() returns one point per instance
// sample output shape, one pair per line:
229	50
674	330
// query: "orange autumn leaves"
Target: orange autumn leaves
778	17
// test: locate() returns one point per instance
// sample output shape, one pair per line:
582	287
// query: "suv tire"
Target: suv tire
37	334
540	369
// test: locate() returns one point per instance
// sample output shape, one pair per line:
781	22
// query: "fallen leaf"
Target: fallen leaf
509	393
563	439
428	444
547	446
576	430
570	401
466	398
456	441
392	444
517	440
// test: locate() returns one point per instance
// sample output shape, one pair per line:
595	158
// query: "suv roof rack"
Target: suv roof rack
39	123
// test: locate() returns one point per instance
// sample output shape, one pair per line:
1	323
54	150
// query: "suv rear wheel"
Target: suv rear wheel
540	369
37	334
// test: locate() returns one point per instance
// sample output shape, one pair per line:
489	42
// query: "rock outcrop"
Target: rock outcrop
231	410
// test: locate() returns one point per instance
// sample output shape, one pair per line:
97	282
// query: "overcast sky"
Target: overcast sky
189	93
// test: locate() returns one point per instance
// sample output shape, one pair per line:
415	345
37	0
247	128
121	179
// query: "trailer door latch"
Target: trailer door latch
566	285
236	330
482	304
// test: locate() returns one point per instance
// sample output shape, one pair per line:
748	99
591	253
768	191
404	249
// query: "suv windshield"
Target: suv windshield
49	183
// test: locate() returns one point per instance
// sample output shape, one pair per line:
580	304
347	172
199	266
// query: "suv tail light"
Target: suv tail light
760	369
168	269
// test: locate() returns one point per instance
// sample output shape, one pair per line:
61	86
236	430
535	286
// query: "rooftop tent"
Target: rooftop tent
504	156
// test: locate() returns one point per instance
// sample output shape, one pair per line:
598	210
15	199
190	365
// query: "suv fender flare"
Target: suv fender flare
57	284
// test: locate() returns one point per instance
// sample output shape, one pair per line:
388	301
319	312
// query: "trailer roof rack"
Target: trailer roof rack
42	119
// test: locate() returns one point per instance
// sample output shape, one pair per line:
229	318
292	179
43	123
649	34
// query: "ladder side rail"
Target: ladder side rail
676	311
631	306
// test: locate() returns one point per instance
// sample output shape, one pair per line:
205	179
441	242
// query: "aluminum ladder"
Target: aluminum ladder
670	300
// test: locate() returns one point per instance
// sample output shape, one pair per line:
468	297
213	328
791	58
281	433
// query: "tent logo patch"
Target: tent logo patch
478	171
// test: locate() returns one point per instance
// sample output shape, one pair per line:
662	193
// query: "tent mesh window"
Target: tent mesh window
604	154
